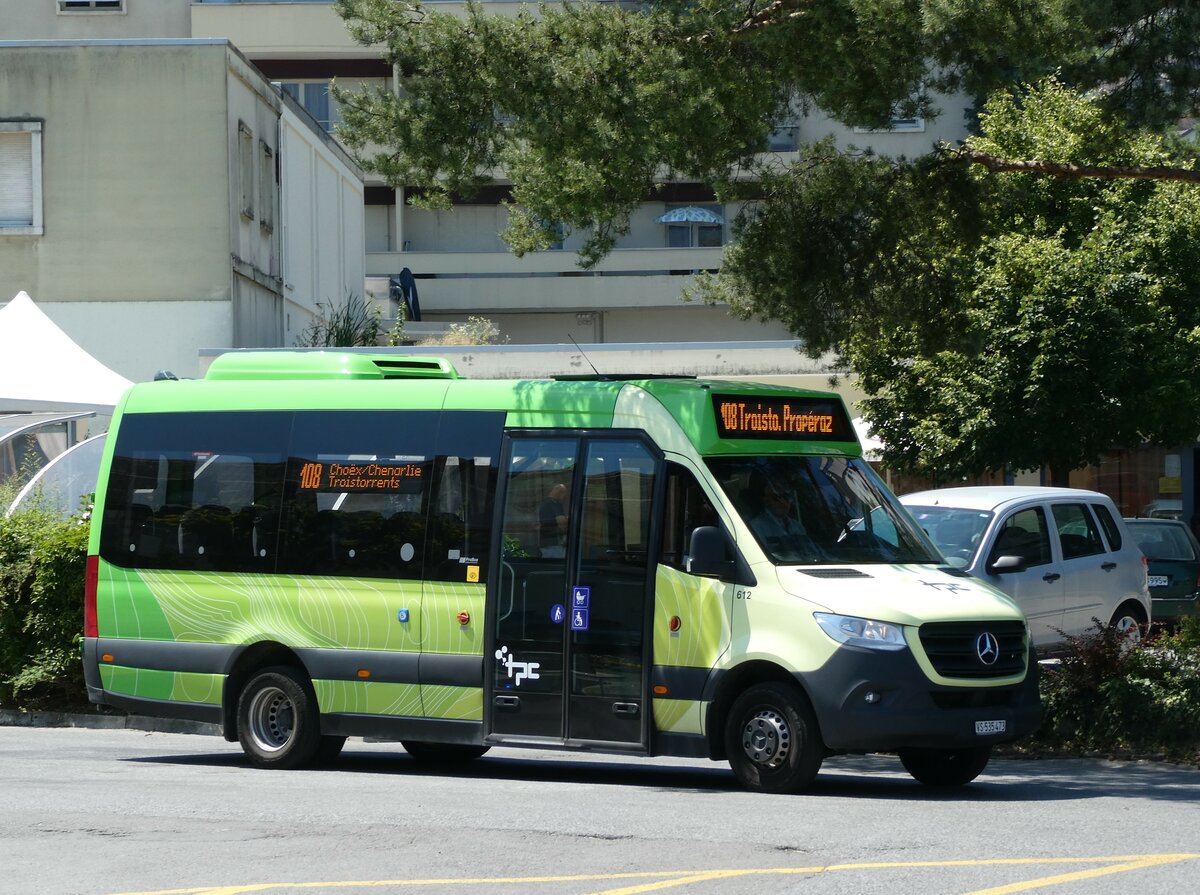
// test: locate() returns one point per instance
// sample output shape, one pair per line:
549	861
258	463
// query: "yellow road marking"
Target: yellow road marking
1137	864
668	879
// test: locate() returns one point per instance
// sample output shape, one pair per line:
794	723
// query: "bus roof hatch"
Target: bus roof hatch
327	365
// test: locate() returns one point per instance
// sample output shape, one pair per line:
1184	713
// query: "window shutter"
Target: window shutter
16	179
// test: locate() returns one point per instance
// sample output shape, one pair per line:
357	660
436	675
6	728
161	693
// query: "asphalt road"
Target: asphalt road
100	812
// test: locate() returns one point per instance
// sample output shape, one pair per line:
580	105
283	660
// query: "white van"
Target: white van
1063	554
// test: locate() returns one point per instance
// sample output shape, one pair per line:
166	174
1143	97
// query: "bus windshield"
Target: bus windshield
814	510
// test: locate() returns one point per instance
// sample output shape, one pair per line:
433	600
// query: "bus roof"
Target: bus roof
759	419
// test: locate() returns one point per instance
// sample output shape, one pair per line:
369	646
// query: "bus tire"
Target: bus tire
442	753
277	719
772	739
945	767
329	749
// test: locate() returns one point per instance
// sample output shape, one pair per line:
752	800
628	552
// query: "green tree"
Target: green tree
994	319
1039	252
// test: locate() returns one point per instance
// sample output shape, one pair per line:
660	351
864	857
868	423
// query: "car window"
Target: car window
1024	534
1163	541
1112	531
1077	531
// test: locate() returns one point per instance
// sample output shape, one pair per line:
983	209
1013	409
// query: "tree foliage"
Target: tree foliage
996	315
993	318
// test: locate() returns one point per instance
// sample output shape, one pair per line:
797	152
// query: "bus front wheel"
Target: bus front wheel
945	767
277	719
772	739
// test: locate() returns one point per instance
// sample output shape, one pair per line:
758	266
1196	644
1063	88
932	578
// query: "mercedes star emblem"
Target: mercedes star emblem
988	648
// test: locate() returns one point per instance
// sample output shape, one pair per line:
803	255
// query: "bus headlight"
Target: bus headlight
864	632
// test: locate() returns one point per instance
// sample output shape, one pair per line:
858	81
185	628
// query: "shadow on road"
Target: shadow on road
848	777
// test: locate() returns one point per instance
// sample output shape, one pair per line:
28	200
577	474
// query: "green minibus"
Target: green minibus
305	546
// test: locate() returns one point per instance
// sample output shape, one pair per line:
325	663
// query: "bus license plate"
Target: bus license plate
1157	581
985	727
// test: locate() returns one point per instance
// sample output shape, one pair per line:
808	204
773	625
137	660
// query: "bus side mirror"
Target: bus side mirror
710	553
1007	563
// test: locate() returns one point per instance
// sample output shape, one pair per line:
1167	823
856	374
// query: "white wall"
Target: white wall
324	254
41	20
138	338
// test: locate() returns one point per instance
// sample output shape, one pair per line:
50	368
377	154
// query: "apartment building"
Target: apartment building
460	265
159	196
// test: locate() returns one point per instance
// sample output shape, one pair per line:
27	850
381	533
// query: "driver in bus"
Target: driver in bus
777	527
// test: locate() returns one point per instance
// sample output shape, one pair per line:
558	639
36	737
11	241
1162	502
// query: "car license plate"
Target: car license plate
985	727
1158	581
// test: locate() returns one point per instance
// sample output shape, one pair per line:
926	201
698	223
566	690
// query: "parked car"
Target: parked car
1062	554
1173	557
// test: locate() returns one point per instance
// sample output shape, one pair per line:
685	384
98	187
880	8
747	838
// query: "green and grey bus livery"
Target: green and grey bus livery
305	546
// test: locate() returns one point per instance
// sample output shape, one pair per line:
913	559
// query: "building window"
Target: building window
20	178
246	169
266	186
784	138
317	101
91	5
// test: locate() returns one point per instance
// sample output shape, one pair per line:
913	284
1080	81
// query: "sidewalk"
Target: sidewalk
104	721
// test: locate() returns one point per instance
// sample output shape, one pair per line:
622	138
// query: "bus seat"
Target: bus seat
206	531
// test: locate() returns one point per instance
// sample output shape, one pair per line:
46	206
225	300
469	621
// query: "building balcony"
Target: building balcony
550	281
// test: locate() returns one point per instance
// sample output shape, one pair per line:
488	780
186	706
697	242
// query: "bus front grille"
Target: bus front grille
975	649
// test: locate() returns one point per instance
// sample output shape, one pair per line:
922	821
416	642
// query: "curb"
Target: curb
14	718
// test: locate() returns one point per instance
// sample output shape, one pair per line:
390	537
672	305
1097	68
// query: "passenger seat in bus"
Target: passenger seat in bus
207	531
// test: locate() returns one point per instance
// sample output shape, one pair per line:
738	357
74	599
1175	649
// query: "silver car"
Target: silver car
1062	554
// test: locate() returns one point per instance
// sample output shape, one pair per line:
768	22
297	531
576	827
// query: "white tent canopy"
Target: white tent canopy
42	368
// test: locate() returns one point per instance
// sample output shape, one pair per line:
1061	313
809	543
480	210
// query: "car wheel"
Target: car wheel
945	767
277	720
1129	621
772	739
443	753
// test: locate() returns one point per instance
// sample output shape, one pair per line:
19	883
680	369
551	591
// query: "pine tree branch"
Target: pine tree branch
1065	171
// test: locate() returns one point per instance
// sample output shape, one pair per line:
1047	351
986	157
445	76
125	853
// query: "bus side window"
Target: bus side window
687	508
182	482
460	527
357	493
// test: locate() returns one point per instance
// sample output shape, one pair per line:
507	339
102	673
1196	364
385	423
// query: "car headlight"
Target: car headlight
864	632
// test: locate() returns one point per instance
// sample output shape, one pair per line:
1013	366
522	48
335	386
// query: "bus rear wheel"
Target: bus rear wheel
277	719
442	753
772	739
945	767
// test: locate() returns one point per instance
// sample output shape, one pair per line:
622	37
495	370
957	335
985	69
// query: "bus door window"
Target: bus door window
607	650
531	599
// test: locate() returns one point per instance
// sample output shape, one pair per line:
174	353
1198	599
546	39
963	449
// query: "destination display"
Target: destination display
780	418
362	475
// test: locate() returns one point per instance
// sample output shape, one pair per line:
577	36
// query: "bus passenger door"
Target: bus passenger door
570	610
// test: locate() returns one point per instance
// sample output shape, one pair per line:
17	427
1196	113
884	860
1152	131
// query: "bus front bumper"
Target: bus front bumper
870	701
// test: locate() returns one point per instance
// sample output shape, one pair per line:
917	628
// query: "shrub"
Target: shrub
1108	696
354	323
42	563
475	331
